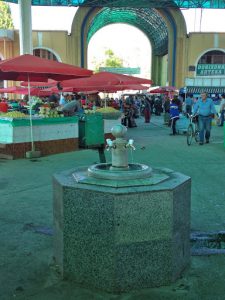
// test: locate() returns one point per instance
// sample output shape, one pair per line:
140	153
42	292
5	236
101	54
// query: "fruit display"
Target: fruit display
109	113
14	115
107	109
89	111
47	112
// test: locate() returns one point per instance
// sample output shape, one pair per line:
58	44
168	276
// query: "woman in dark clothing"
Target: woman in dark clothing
147	110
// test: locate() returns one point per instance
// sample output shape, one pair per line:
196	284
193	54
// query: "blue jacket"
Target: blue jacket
174	110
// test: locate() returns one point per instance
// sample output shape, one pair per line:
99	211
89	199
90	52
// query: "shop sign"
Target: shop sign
210	69
121	70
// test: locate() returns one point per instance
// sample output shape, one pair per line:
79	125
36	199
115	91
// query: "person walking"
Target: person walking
188	104
166	107
147	110
206	110
174	115
222	109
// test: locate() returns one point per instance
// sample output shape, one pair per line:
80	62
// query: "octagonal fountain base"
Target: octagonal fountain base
119	235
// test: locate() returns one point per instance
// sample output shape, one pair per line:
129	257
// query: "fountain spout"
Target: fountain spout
119	148
119	169
109	144
130	144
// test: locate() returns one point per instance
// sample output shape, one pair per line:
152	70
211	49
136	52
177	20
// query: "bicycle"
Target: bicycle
192	130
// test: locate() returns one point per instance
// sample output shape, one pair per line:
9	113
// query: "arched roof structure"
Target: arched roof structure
131	3
146	19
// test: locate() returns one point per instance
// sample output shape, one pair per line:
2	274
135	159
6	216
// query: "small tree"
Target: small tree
111	60
6	21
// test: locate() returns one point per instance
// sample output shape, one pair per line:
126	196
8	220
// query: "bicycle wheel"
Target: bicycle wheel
190	134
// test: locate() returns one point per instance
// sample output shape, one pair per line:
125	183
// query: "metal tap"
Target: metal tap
130	144
110	144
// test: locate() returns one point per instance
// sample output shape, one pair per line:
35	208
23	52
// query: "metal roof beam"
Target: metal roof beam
131	3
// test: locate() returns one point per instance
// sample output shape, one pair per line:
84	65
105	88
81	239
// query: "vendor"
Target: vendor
71	108
4	105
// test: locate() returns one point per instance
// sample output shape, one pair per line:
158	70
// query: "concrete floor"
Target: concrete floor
26	269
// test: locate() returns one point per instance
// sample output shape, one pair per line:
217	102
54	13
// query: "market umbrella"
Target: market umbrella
103	88
32	68
39	84
104	79
25	91
163	89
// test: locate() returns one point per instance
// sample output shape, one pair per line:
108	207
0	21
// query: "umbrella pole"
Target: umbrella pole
30	115
32	153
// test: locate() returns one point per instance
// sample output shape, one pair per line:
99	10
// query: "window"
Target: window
213	57
43	53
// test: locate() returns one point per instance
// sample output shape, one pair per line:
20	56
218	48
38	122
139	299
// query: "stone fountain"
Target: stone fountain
121	226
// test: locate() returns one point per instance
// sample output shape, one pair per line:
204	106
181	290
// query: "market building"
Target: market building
194	60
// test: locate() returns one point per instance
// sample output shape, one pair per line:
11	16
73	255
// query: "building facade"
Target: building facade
194	60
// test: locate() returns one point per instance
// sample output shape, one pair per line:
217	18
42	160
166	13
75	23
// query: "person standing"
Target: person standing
189	103
4	105
147	110
62	100
71	108
206	111
222	109
174	115
166	107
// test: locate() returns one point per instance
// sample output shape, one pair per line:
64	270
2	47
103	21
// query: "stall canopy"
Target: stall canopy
163	89
105	79
104	89
24	91
32	68
38	84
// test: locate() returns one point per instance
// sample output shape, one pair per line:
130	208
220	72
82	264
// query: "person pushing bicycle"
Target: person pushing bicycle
206	110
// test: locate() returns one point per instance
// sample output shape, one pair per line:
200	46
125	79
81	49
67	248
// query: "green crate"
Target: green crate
91	130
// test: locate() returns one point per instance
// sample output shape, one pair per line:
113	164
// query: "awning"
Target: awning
207	89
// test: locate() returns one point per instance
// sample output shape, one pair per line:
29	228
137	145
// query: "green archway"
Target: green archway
131	3
147	20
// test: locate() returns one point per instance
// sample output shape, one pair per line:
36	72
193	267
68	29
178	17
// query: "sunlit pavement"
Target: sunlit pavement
26	269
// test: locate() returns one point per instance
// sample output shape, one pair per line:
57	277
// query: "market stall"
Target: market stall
51	136
53	133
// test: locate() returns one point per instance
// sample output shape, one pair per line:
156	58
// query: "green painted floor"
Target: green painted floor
26	269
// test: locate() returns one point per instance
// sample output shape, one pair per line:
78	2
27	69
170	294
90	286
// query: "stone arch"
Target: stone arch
171	20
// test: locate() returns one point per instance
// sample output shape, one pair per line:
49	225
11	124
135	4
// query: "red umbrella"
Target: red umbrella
16	90
25	91
106	89
50	83
105	79
32	68
163	89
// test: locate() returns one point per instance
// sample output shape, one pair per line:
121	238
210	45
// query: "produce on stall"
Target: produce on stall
109	113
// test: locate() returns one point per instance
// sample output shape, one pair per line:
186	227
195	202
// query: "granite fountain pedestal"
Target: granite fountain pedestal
119	233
